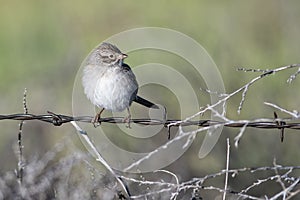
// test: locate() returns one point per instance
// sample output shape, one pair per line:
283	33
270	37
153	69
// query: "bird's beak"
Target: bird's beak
123	56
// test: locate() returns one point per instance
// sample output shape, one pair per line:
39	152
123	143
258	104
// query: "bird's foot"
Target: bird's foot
127	120
95	121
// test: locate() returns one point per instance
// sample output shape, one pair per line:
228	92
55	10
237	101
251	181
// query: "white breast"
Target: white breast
109	87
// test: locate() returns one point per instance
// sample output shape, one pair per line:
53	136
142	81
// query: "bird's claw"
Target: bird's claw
95	121
127	120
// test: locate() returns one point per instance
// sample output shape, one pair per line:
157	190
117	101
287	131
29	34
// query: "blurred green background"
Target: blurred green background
42	44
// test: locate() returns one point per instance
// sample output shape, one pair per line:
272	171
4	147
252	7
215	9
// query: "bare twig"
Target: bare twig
293	76
99	158
243	88
239	136
295	114
284	192
20	146
200	183
287	183
227	168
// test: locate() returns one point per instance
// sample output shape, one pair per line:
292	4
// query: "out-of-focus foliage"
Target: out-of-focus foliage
42	44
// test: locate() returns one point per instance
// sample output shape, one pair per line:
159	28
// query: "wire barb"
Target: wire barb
59	119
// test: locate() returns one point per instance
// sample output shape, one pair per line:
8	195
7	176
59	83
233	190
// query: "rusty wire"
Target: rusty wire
272	123
59	119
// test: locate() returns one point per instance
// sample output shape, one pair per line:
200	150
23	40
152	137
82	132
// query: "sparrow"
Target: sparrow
109	83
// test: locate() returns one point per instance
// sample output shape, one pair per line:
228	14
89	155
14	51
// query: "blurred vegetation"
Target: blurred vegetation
42	44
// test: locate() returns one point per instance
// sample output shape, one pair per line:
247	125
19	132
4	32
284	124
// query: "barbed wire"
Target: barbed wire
293	122
59	119
271	123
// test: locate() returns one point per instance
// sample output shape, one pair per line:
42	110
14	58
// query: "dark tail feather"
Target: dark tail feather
145	102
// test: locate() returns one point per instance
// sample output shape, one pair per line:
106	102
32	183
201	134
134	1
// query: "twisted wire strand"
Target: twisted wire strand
59	119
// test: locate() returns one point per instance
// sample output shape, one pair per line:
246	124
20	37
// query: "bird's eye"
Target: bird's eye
111	56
